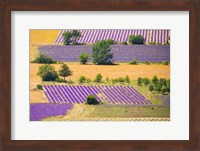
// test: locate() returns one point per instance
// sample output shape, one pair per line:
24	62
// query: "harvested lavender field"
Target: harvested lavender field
121	53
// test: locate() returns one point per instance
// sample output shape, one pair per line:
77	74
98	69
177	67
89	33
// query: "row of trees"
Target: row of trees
155	84
48	72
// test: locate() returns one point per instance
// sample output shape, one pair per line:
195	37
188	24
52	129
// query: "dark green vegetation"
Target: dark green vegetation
136	39
83	58
101	53
159	85
65	71
71	37
98	78
91	100
134	62
47	73
43	59
165	62
39	87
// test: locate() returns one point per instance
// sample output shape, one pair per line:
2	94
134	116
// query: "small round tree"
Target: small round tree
146	81
83	58
65	71
151	88
98	78
154	80
67	37
139	81
47	73
91	100
75	36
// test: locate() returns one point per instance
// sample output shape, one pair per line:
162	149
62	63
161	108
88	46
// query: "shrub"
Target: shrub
139	81
60	80
88	80
65	71
165	89
146	81
152	43
147	62
71	37
39	87
127	79
154	80
107	79
134	62
136	39
165	62
163	82
47	73
124	43
83	58
157	87
151	88
44	59
101	53
70	81
98	78
110	41
91	100
82	79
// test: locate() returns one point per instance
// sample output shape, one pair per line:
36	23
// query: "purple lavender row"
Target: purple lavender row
119	35
121	53
44	110
110	94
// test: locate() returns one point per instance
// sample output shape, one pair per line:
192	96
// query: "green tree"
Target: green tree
163	82
75	36
67	37
139	81
101	53
47	73
91	100
83	58
154	80
151	88
82	79
98	78
158	87
65	71
43	59
136	39
146	81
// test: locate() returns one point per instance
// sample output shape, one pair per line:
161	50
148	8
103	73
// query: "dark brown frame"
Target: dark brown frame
6	6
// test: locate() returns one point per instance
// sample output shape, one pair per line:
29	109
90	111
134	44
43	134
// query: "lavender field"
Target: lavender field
110	94
119	35
121	53
44	110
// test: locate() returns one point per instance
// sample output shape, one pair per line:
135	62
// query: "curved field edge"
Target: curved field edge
116	112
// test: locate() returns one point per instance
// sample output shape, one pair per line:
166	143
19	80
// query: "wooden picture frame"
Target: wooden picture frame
7	6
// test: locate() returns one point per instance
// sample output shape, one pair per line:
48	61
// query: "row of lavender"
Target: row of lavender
121	53
110	94
119	35
44	110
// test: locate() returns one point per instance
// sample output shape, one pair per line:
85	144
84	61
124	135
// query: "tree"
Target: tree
47	73
83	58
146	81
67	37
158	87
91	100
139	81
65	71
133	62
136	39
163	82
101	53
154	80
43	59
98	78
151	88
75	36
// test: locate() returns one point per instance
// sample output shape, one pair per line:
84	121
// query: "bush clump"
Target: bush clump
136	39
146	81
44	59
165	62
47	73
110	41
91	100
133	62
39	87
83	58
98	78
139	81
82	79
